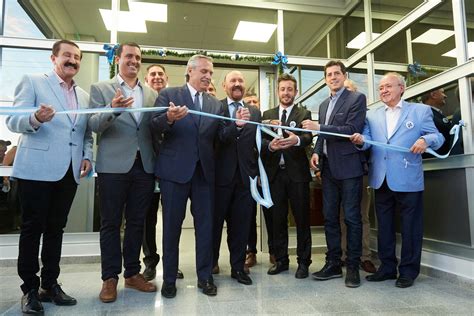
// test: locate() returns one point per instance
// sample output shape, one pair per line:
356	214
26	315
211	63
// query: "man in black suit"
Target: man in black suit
185	167
342	168
236	161
287	168
436	99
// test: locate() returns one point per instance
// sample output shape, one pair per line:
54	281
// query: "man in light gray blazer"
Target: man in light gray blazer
53	153
125	162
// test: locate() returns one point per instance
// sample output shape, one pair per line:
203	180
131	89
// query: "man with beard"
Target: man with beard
157	79
342	169
287	167
53	153
125	161
436	99
236	161
185	166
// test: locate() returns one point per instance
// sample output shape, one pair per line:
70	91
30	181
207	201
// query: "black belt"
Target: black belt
282	167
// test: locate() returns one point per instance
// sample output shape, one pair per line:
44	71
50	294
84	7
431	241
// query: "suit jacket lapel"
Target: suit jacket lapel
382	120
116	85
56	88
323	111
189	102
338	105
294	113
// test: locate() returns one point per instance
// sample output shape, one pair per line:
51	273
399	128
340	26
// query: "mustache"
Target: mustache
68	64
237	88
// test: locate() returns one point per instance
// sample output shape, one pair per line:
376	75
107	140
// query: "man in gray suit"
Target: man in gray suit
125	161
53	153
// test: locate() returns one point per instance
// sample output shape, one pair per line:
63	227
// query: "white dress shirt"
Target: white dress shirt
392	115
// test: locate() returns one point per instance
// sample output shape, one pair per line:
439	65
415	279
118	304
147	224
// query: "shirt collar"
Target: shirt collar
338	93
192	90
230	101
399	106
122	82
288	109
61	81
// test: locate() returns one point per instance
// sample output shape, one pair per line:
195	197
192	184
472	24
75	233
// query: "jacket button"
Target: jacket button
384	158
70	144
138	129
73	129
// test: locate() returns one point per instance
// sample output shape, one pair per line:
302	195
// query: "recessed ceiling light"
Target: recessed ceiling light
359	41
433	36
470	51
156	12
254	32
126	21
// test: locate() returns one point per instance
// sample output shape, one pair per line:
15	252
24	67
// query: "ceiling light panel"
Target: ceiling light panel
433	36
127	21
254	32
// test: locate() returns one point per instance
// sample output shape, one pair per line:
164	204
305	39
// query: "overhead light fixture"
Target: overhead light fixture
254	31
360	41
433	36
470	51
127	21
155	12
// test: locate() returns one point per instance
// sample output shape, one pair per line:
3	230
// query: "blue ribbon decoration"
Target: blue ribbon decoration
266	200
416	70
110	52
280	59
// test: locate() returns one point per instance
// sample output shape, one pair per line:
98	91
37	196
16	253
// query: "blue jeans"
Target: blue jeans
346	193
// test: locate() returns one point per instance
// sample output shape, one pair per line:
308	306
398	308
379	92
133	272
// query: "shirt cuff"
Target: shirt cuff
299	141
34	121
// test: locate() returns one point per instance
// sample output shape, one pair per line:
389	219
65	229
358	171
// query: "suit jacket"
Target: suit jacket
347	117
237	150
188	140
120	136
403	171
296	160
45	154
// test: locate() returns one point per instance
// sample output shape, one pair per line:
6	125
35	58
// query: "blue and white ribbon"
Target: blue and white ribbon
266	128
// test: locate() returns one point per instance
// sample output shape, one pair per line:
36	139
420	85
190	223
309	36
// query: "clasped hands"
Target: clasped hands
176	112
282	143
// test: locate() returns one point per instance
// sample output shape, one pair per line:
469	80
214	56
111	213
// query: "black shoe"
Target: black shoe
302	271
331	270
168	290
180	274
278	267
56	295
30	303
208	287
241	277
404	282
379	276
352	277
149	273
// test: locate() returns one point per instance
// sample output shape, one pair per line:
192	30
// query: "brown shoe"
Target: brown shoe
215	269
368	266
251	259
139	283
108	294
272	259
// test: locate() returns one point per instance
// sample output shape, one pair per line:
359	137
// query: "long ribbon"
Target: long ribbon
266	200
25	110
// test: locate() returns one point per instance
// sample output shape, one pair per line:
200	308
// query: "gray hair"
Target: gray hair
192	63
400	78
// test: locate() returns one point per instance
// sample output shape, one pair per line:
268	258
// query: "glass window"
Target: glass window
469	9
18	23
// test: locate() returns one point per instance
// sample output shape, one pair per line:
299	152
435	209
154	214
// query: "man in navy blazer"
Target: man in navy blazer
342	168
53	153
186	169
397	177
236	161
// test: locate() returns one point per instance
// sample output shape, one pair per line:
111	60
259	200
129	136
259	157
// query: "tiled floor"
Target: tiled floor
280	294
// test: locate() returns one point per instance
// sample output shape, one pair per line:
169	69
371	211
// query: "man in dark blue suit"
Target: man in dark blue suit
342	168
185	167
236	161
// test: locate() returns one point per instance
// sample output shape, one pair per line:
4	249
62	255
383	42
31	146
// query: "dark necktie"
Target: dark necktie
283	122
197	104
236	107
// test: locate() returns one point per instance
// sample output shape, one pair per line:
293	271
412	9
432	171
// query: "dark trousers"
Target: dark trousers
252	240
297	193
45	207
133	190
410	205
346	193
152	258
174	197
234	204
